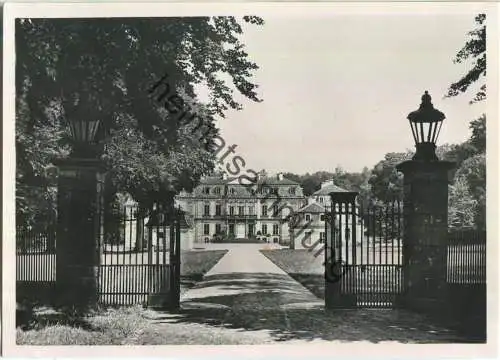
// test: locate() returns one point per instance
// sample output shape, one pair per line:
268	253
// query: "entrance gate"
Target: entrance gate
363	257
143	266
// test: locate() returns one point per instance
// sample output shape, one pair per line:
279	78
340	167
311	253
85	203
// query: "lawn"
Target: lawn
308	270
110	327
195	264
122	326
302	266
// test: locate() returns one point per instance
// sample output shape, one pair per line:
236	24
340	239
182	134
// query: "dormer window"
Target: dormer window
206	190
232	191
291	191
217	191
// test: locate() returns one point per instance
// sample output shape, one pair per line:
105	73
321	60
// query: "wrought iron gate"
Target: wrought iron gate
363	257
143	264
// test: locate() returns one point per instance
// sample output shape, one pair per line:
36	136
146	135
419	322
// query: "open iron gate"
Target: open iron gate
143	266
363	257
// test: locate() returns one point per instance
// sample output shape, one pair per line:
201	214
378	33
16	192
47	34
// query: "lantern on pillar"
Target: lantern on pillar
425	125
83	133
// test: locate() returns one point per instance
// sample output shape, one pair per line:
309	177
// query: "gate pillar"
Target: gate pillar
340	250
425	212
78	228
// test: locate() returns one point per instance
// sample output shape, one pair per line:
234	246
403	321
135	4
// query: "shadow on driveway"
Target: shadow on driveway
286	311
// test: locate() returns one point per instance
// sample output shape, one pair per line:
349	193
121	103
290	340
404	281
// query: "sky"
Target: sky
337	88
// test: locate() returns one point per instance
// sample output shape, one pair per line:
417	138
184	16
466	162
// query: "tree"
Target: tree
310	183
293	177
478	136
36	145
470	156
475	51
104	68
386	182
350	181
473	170
461	204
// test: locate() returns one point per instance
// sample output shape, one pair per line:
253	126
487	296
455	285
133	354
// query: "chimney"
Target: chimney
224	175
280	176
326	183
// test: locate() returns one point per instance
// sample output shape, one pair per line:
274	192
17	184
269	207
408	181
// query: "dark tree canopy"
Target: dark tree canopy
72	69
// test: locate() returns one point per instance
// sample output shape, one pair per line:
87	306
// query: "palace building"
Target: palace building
222	206
310	228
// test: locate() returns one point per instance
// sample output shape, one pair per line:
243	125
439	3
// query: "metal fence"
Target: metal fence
36	258
466	282
137	262
368	242
466	258
133	264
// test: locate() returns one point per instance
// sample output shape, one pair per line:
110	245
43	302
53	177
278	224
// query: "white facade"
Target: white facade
312	229
224	205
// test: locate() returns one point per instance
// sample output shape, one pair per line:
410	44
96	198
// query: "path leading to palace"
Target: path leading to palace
244	275
245	298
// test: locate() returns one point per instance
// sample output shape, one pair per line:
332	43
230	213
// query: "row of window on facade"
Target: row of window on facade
321	217
264	190
251	229
241	210
308	238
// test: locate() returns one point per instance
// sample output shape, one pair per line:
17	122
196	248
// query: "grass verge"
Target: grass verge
109	327
302	266
308	270
195	264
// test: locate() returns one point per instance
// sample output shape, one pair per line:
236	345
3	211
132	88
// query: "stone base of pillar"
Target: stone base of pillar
423	305
161	302
78	287
334	299
332	295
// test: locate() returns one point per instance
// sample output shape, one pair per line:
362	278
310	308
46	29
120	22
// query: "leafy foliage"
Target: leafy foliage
103	69
36	145
462	204
478	137
386	182
349	181
473	172
468	191
474	50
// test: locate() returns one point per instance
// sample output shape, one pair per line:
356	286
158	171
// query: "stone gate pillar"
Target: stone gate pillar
78	226
425	211
425	233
